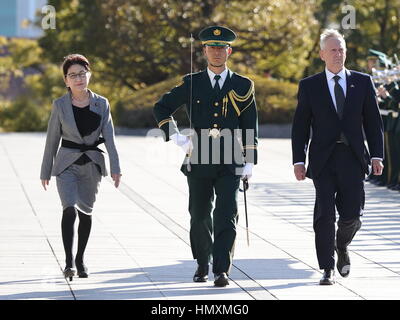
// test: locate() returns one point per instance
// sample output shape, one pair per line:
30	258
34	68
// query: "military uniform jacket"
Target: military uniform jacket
392	106
233	108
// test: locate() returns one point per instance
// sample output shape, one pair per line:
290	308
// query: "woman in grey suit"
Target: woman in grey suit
81	119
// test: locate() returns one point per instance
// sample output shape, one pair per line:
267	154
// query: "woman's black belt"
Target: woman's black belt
82	147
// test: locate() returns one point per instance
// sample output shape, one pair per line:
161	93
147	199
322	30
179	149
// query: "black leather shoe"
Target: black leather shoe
328	278
69	273
201	274
221	280
343	263
82	270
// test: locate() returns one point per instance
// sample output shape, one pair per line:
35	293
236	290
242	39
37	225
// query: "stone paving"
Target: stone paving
139	245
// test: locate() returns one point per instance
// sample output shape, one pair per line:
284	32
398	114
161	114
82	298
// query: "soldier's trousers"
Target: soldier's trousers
222	223
395	143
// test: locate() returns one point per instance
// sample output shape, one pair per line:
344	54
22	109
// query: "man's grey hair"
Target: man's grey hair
328	34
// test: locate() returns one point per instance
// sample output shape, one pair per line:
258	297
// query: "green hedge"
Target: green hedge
276	102
23	114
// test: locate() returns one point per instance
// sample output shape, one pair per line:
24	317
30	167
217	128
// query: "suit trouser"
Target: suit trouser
222	223
339	185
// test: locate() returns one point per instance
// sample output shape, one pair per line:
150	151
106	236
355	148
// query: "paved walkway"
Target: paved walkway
139	246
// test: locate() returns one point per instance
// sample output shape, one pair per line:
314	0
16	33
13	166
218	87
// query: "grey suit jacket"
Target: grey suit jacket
62	125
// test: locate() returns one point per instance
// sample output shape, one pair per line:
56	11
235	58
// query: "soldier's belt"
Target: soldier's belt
214	132
211	132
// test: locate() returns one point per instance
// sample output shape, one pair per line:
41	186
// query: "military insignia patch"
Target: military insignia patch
217	32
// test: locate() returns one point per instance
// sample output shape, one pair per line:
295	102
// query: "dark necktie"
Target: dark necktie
217	88
339	96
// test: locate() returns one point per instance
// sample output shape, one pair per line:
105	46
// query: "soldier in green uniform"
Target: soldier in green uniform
377	60
389	96
373	64
384	99
221	149
394	136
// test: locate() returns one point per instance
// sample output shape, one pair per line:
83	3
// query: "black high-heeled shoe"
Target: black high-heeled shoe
69	273
82	269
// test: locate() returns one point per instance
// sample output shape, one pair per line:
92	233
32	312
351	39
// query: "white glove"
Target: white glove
182	141
247	171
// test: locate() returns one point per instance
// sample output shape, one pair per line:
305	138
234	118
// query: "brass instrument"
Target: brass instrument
386	76
390	74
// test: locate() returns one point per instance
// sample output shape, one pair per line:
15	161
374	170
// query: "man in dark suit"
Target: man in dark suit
338	105
222	111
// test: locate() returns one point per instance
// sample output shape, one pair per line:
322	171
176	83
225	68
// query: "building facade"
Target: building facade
17	18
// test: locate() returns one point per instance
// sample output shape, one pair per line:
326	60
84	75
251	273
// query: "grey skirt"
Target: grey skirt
78	186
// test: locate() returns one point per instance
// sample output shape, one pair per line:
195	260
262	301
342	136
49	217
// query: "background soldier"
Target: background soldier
394	136
388	96
375	62
218	102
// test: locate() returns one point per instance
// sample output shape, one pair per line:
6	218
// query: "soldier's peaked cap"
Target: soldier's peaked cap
217	36
382	57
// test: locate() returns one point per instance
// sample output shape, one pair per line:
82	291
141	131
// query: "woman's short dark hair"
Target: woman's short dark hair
72	59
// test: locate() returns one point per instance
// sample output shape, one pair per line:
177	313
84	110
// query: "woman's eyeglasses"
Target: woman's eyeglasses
81	75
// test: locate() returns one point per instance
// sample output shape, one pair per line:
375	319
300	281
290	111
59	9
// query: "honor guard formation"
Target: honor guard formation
386	75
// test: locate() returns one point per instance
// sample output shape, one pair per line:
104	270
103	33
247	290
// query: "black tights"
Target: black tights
67	230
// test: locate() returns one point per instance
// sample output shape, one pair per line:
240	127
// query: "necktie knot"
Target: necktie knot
336	78
217	88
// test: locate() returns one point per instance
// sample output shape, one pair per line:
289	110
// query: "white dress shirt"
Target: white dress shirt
221	81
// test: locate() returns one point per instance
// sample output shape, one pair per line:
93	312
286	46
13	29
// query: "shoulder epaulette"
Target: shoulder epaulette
242	102
195	74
